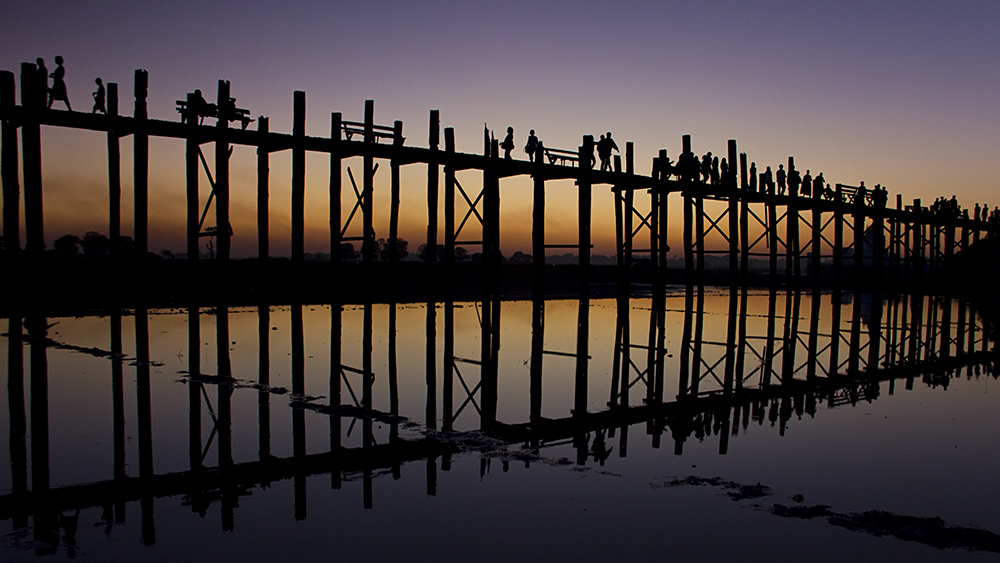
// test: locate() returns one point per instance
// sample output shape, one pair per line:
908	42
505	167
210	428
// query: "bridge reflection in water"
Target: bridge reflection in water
696	364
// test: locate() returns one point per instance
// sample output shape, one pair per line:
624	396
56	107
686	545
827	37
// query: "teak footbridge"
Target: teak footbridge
906	240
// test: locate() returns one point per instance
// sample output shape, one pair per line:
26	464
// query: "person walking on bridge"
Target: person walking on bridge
532	145
780	175
508	143
58	90
604	148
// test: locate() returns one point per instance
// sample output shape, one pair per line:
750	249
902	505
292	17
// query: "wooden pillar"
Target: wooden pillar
620	236
585	200
222	226
689	274
140	167
433	141
838	239
449	215
336	204
367	194
699	222
660	260
9	168
744	224
538	226
264	193
816	260
191	164
731	182
114	177
768	363
772	235
393	242
298	177
734	220
144	404
32	102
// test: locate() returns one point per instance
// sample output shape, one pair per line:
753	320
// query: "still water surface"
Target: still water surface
194	468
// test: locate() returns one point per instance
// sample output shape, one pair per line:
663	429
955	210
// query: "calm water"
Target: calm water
772	463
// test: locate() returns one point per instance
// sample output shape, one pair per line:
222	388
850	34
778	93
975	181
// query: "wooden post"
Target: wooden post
585	154
140	167
222	226
734	220
772	234
838	239
744	224
298	177
191	164
393	242
433	140
367	194
449	217
688	224
538	226
816	263
264	193
336	203
730	181
114	177
32	102
627	215
9	169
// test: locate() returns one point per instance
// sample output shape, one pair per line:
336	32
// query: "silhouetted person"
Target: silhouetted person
532	145
604	148
753	176
807	184
794	181
715	171
43	75
768	182
724	167
508	143
58	89
99	98
780	176
706	167
819	184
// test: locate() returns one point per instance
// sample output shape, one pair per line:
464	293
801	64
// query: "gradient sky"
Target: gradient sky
901	93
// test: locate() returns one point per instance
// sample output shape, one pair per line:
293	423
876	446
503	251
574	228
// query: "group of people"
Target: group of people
950	209
603	147
57	90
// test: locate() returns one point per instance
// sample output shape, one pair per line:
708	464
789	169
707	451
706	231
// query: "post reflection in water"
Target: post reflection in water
722	384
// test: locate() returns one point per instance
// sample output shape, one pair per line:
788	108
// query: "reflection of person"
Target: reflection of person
508	143
99	98
58	90
532	145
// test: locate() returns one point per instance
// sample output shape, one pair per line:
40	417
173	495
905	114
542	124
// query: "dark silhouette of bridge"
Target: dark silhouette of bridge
843	236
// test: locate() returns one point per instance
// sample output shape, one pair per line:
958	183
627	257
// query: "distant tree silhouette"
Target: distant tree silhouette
347	252
95	244
520	258
384	249
67	245
461	254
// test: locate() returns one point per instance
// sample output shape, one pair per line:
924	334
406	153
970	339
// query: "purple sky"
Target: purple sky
900	93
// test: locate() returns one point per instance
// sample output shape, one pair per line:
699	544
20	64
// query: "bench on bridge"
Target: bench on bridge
862	196
197	107
352	128
563	156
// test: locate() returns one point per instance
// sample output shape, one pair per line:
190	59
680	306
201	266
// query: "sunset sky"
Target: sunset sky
900	93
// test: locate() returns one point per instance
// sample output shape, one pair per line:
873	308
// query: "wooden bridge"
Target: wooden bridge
901	242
